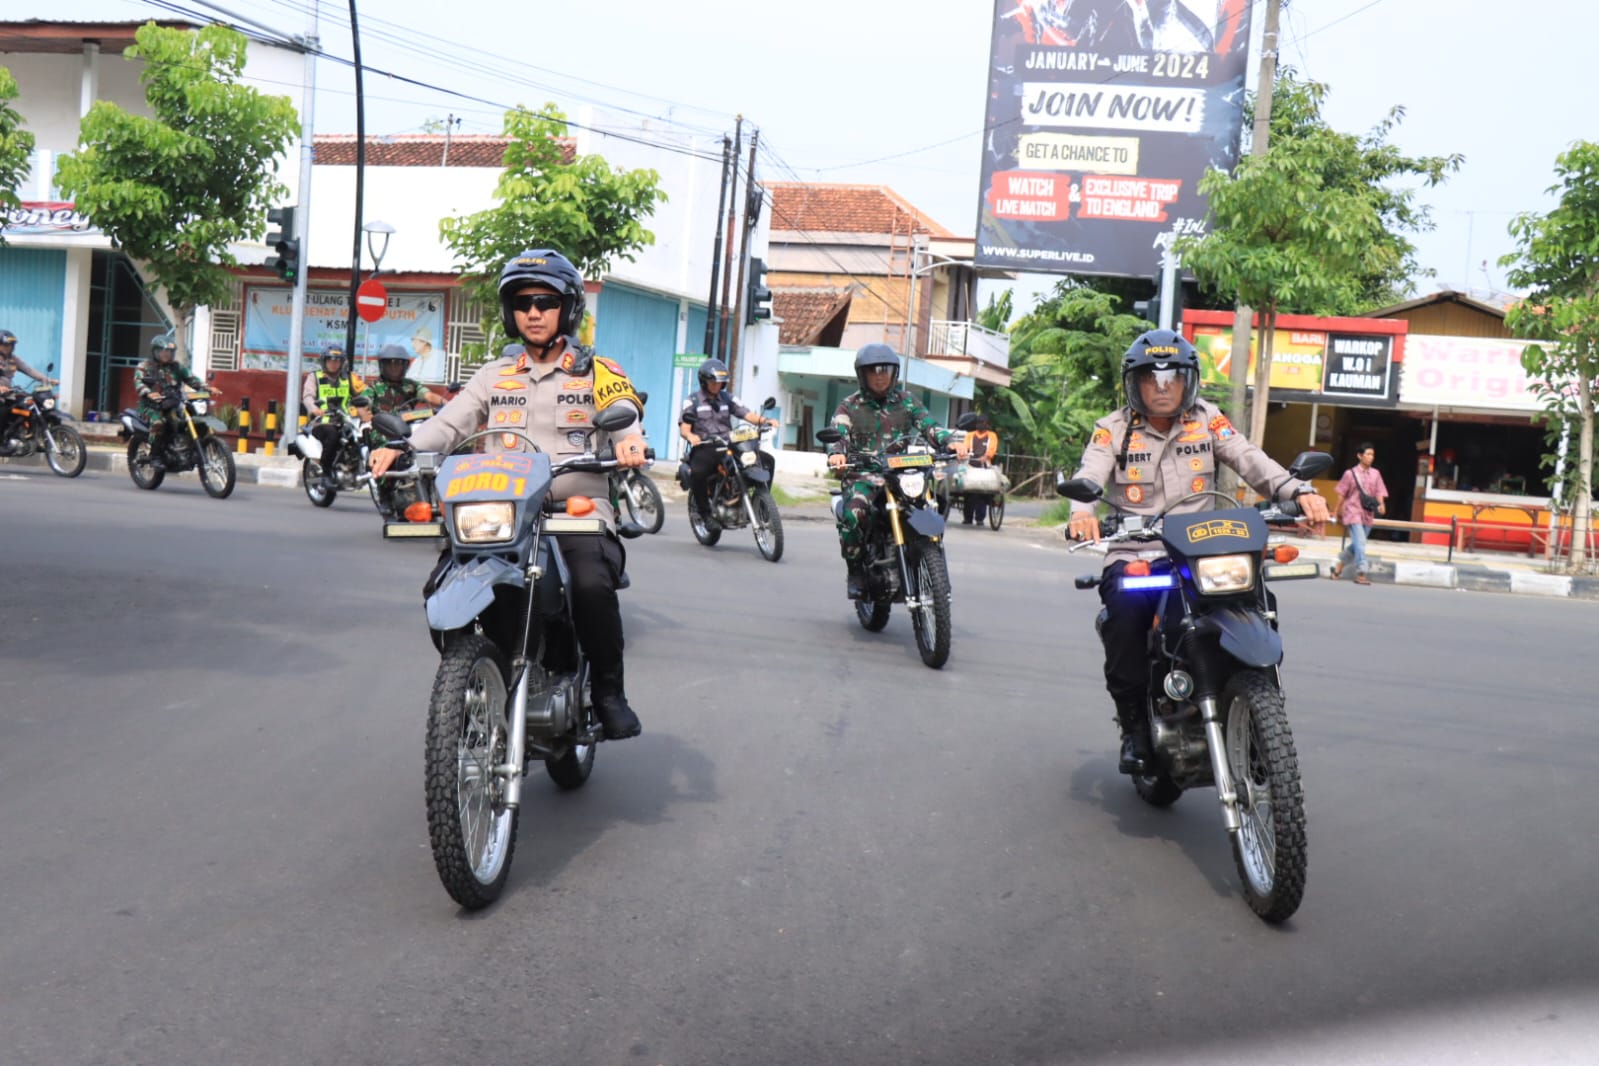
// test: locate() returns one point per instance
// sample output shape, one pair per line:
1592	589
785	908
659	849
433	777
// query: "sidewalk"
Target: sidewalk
1390	562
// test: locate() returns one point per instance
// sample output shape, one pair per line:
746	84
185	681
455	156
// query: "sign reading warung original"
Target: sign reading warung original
1102	116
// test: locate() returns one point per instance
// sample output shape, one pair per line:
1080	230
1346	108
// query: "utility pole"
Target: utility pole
751	212
723	312
716	253
302	232
360	178
1238	377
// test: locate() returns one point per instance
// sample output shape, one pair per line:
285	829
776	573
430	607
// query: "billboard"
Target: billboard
414	320
1309	365
1102	117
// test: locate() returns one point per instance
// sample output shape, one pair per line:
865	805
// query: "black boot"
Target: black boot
1132	717
610	705
855	581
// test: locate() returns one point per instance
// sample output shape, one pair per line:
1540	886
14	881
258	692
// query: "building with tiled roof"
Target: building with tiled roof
423	150
811	315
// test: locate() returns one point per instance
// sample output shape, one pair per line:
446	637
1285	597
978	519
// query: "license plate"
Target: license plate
900	462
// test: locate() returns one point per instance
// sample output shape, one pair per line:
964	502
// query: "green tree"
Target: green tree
1065	362
16	147
1312	225
177	189
1557	261
583	209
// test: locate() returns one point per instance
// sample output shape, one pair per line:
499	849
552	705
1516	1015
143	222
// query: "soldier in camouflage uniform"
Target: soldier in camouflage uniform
880	412
155	407
1163	445
393	391
10	366
551	392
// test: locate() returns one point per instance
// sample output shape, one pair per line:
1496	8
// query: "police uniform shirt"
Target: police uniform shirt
712	416
1162	467
553	403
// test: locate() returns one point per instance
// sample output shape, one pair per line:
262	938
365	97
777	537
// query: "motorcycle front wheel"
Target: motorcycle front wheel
319	493
768	524
643	501
217	475
930	619
64	450
1269	848
144	475
471	830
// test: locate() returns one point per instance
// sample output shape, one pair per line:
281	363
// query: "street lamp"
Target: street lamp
374	231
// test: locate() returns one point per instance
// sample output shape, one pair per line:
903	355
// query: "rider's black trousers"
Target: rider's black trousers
595	566
702	460
1128	618
328	434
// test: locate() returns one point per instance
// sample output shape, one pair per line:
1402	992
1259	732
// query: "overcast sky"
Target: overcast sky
892	92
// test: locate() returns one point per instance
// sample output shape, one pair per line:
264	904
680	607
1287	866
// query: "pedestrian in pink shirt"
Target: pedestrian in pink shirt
1362	496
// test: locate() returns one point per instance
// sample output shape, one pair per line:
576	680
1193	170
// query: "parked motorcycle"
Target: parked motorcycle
39	425
1216	711
190	443
740	490
513	683
904	541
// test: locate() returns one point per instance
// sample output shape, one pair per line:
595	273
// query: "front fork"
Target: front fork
1226	790
913	594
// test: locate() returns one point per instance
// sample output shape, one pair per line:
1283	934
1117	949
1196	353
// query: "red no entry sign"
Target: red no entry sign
371	300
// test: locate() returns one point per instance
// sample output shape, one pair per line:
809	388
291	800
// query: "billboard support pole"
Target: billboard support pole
1243	318
1168	290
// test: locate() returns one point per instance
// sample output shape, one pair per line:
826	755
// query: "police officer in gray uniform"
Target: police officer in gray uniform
551	392
709	412
1162	446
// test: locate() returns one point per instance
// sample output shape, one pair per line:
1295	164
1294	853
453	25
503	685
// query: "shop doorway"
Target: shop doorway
123	318
1401	443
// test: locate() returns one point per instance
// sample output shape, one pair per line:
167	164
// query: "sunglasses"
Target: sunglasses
541	301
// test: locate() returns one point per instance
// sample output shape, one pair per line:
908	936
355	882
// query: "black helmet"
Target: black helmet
543	266
713	370
163	343
332	351
7	337
876	355
1160	349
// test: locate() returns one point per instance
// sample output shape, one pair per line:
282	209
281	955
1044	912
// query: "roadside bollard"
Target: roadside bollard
244	424
270	429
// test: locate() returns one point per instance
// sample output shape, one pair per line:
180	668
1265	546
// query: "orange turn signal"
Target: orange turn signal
1284	553
1137	568
579	505
419	512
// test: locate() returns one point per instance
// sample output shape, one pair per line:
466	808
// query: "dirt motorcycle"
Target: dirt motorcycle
513	683
39	425
740	490
191	442
1216	715
349	469
904	550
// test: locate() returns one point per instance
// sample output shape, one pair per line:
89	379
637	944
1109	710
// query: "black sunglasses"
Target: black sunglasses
543	301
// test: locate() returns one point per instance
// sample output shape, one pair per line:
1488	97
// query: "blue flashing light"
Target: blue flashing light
1152	581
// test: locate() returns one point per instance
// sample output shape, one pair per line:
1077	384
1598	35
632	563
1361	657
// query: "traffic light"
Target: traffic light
757	297
1149	310
286	264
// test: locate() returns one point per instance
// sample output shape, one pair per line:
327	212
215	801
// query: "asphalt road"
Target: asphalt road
212	847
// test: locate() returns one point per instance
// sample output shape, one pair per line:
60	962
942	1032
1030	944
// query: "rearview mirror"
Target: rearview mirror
967	421
1308	465
769	404
391	425
643	398
454	387
616	417
829	435
1080	489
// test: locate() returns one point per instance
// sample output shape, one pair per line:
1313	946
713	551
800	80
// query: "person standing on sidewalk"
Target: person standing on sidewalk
1362	496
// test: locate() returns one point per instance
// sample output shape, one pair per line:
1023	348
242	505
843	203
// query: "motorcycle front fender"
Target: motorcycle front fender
467	589
215	425
757	475
1247	636
57	417
926	521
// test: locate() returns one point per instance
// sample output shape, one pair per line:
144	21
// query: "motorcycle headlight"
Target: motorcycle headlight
484	523
49	405
200	406
913	483
748	458
1221	574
